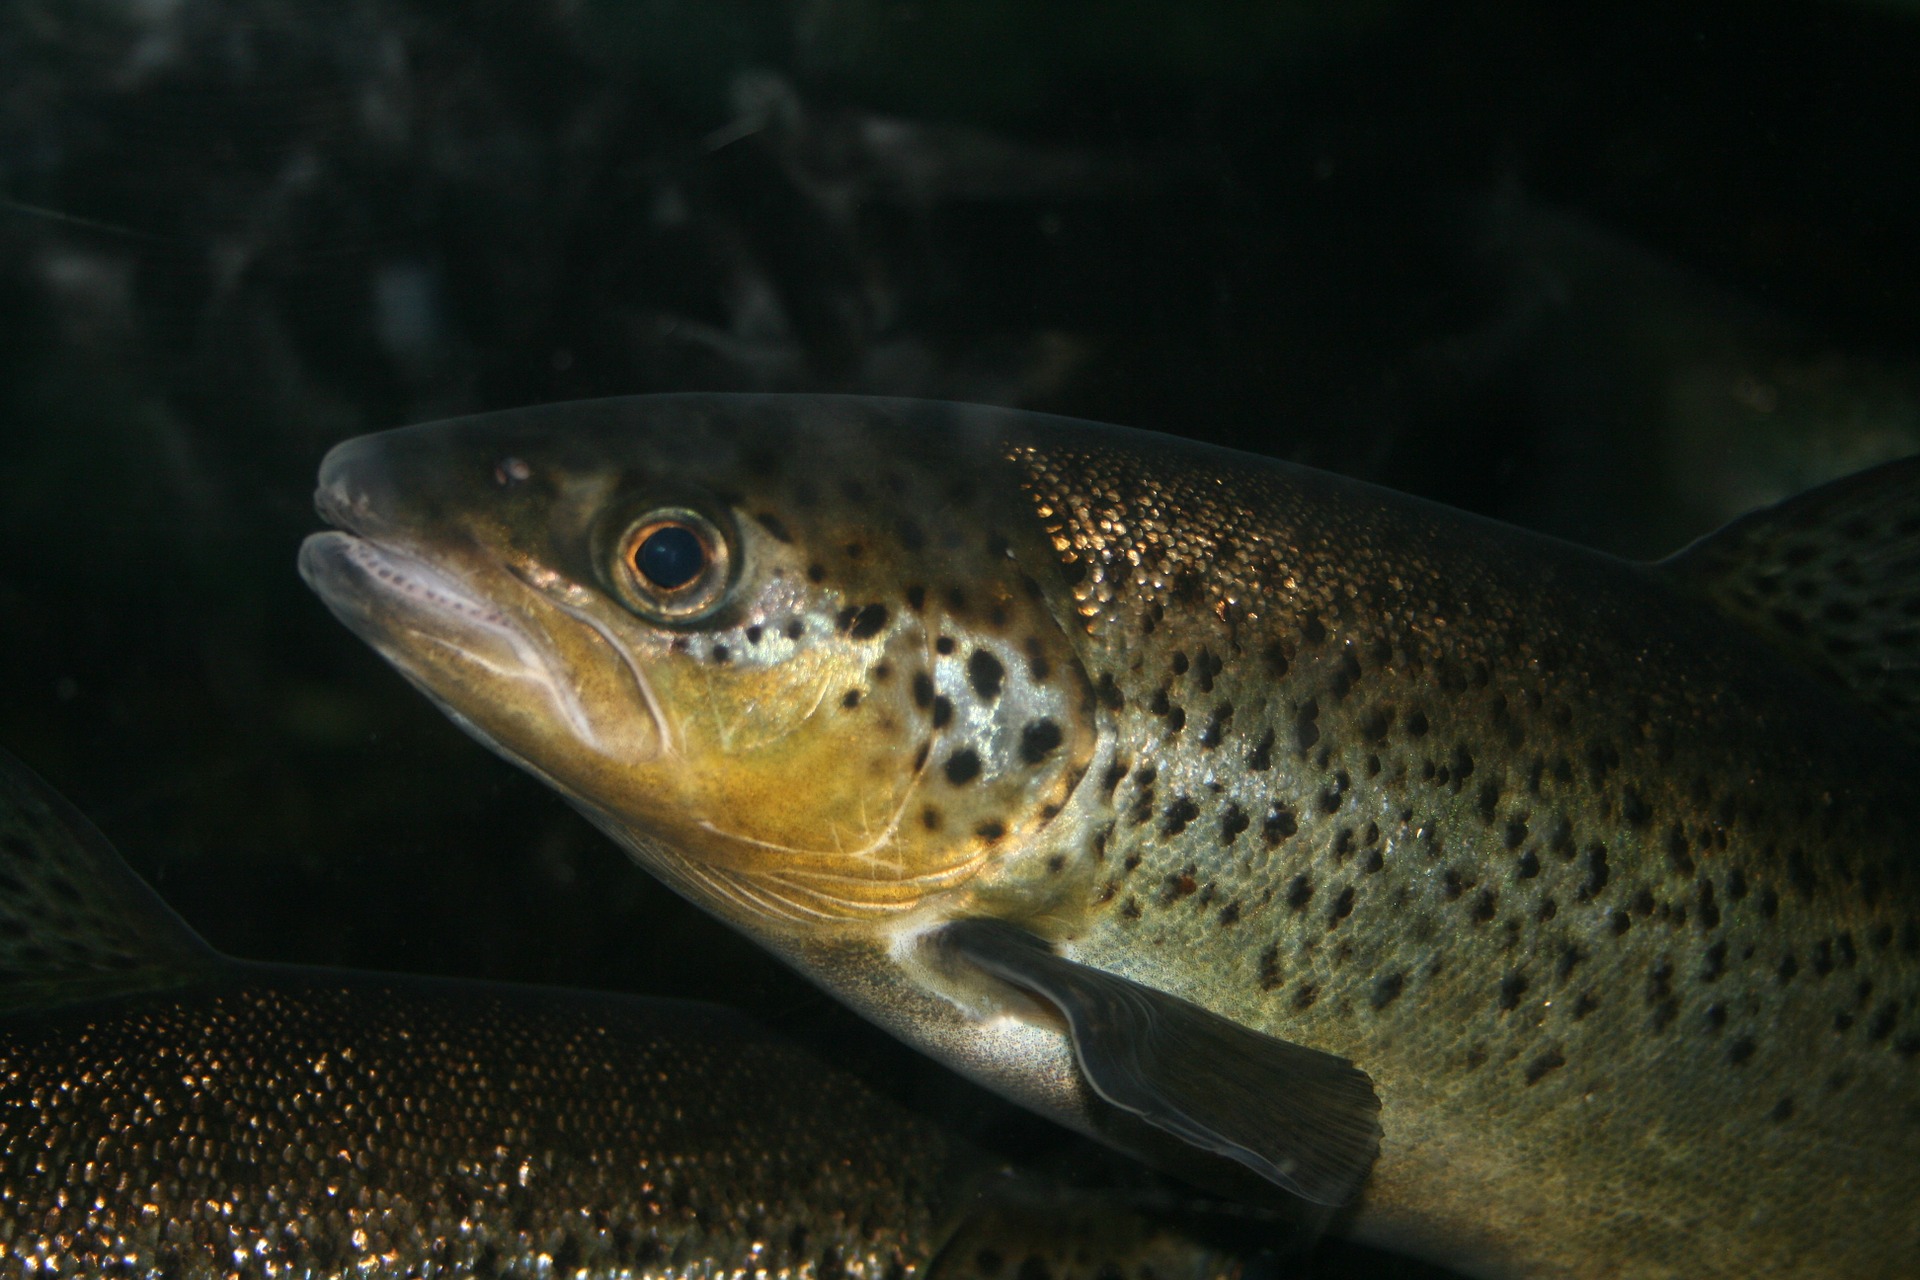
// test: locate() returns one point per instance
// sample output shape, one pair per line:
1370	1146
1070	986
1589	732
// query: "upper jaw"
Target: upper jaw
364	576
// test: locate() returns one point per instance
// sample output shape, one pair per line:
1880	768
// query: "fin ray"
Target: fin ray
1305	1120
75	922
1831	579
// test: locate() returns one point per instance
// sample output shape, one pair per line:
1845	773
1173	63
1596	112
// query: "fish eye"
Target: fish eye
671	564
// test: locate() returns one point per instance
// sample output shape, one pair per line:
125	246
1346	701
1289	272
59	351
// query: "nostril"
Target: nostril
356	490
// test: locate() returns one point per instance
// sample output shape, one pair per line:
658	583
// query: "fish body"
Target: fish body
1563	907
166	1112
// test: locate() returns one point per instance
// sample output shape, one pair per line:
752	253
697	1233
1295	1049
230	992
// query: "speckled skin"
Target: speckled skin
288	1124
168	1113
1616	907
1619	914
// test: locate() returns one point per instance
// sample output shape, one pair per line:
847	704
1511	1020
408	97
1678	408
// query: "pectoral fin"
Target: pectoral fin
1305	1120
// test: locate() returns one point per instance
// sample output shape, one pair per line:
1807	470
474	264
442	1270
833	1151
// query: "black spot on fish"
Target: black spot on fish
722	654
1038	740
922	689
1217	723
1261	758
1178	815
1299	892
1387	989
1232	822
941	712
1342	907
1279	824
1276	660
850	699
963	766
1596	874
1883	1022
868	621
753	634
985	674
816	572
1660	981
1108	692
1528	866
1305	731
1417	724
1739	1051
1037	665
944	645
1270	973
1715	963
1551	1060
1679	852
916	597
1512	987
1330	798
991	831
1570	958
1304	995
795	628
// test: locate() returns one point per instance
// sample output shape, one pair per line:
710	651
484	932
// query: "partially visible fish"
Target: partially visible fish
167	1112
1226	808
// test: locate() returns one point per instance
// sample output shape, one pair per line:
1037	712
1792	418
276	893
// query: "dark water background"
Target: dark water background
1616	271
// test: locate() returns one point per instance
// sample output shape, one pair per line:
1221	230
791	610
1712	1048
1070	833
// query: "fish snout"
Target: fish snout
357	491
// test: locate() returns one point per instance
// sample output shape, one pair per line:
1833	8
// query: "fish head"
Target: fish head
803	658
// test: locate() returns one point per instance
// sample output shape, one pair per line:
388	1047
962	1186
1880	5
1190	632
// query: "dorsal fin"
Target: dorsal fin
1830	577
75	922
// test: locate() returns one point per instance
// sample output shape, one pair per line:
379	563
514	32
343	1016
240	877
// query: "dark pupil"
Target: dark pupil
671	557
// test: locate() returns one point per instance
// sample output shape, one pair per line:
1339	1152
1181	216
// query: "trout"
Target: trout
1551	914
168	1112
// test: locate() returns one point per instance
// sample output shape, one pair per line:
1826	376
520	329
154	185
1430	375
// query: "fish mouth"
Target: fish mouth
374	587
483	644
